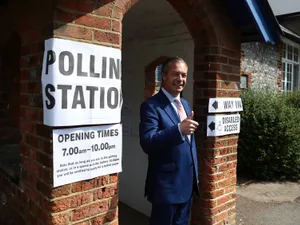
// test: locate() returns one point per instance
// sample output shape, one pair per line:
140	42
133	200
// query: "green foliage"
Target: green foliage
269	143
293	99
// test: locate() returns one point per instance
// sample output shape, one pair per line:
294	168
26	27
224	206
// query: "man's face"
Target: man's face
175	80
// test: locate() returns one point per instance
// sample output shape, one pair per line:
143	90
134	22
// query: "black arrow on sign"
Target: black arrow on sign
215	104
212	126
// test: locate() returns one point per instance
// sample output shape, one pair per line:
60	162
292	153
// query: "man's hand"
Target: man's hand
188	125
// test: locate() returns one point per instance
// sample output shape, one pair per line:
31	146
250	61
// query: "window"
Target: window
153	76
158	73
245	80
290	67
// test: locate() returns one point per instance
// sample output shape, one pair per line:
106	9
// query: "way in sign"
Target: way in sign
232	104
218	105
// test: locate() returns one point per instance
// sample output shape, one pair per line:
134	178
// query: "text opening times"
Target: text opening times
87	135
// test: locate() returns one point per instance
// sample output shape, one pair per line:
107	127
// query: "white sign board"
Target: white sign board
81	83
86	152
218	105
221	125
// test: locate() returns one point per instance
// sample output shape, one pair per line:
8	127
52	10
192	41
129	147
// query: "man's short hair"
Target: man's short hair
166	65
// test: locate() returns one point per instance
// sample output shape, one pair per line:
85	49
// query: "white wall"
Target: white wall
281	7
143	42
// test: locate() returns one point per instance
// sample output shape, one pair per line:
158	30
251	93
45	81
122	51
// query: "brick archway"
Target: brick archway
216	74
204	19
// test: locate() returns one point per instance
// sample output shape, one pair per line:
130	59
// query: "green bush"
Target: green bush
293	99
269	143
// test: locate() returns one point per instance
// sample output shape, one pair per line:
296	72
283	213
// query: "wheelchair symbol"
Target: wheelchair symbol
219	127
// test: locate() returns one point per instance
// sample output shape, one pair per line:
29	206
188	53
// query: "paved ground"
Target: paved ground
258	213
268	204
257	204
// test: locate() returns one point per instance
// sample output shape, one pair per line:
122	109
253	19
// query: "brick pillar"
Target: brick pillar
88	202
217	75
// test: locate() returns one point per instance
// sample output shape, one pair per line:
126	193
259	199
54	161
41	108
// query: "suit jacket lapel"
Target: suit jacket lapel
170	111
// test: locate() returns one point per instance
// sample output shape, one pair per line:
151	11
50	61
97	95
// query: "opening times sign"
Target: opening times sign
81	83
86	152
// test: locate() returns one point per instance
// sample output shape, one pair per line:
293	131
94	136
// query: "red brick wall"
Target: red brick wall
9	126
26	195
217	156
216	74
9	91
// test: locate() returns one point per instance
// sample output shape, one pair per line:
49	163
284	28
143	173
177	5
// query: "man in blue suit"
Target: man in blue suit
167	137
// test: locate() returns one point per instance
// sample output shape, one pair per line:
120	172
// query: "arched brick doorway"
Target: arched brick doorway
216	72
152	31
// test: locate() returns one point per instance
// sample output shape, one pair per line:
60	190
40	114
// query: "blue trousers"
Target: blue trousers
171	214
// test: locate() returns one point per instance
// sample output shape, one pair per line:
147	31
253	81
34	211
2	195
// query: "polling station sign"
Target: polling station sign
81	83
86	152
